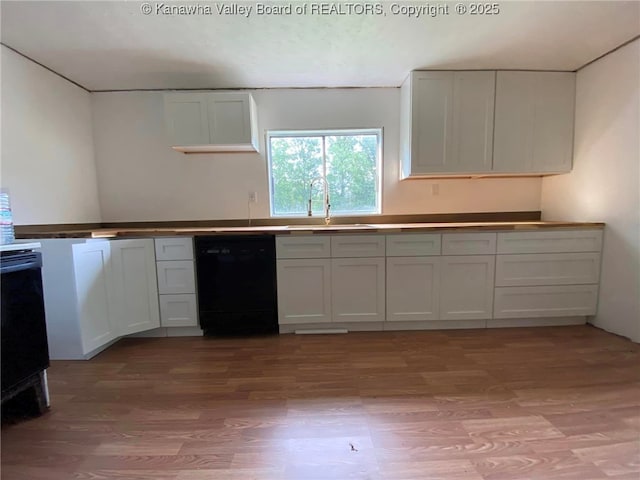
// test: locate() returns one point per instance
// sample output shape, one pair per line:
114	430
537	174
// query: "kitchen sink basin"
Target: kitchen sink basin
350	226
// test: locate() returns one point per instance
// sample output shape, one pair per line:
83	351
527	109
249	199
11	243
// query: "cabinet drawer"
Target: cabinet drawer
174	248
349	246
176	277
413	245
547	269
550	301
554	241
178	310
312	246
468	243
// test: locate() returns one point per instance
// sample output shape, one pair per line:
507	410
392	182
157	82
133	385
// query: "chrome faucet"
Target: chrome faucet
327	205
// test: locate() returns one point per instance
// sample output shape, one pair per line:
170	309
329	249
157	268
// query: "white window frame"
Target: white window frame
378	132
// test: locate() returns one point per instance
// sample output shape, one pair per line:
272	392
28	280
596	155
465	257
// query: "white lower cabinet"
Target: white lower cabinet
460	279
547	274
96	291
358	289
176	282
135	288
95	300
179	310
413	288
466	284
304	291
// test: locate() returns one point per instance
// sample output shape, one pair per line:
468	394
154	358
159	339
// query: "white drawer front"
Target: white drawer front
552	241
174	248
349	246
552	301
413	245
176	277
178	310
311	246
468	244
547	269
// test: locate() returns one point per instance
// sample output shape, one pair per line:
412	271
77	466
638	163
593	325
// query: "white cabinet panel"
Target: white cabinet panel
211	122
413	288
472	132
552	241
179	310
135	285
350	246
534	122
413	244
92	270
447	122
431	121
468	243
176	277
547	301
358	289
547	269
304	291
186	117
229	118
174	248
466	287
308	246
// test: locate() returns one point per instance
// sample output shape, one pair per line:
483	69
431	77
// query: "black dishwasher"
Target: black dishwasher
237	284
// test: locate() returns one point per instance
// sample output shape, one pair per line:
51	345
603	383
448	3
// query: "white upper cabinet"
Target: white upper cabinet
534	122
447	122
211	122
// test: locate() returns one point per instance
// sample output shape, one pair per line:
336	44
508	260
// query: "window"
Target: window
348	159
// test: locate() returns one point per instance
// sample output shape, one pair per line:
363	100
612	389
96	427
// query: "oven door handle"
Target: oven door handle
19	267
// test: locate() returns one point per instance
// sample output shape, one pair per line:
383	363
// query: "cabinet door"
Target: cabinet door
534	122
304	291
466	286
135	286
358	289
176	277
413	288
186	118
472	134
229	118
93	280
431	121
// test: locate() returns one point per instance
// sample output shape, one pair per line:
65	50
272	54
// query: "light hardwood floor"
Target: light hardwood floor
534	403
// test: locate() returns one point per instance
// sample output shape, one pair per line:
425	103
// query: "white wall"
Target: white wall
605	182
142	179
47	145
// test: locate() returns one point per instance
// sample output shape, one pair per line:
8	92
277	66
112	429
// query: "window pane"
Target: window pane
295	162
352	172
348	159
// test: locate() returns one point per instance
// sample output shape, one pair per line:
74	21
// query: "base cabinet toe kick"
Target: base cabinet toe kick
415	281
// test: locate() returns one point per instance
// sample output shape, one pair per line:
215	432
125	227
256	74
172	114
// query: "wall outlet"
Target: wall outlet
253	197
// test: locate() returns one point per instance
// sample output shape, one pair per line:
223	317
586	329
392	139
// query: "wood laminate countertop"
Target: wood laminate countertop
314	229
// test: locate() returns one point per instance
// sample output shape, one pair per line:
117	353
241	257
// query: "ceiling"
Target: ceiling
111	45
